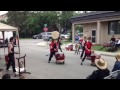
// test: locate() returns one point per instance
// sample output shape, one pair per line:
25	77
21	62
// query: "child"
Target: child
53	49
87	49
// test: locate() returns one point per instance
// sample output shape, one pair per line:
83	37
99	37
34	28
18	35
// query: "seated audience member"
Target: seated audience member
6	76
117	63
113	39
102	71
118	43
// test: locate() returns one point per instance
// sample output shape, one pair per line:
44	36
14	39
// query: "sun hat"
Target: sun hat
118	56
101	64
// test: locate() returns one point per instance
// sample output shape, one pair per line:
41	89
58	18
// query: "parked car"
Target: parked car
80	34
38	36
65	36
3	43
47	36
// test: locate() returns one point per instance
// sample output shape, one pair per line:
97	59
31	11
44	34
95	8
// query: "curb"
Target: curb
107	55
96	51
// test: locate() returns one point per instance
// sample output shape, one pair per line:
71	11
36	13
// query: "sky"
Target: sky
3	12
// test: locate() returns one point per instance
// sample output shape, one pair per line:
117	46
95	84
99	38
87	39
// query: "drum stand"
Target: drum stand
24	65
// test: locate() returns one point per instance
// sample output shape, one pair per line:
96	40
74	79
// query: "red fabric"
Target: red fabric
69	48
93	59
81	40
7	59
52	47
89	45
60	56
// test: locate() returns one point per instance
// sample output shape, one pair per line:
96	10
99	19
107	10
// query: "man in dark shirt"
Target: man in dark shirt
102	71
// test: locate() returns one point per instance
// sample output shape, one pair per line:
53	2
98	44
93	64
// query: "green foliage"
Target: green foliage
32	22
79	27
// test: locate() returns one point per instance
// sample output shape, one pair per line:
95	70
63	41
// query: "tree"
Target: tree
2	21
32	22
64	19
17	19
79	28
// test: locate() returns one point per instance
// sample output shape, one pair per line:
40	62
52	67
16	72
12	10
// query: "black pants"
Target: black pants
85	57
60	49
11	61
51	55
83	50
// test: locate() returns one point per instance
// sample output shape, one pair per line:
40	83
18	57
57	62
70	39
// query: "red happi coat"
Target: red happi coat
89	45
52	47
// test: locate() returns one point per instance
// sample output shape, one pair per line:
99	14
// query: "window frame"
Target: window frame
116	27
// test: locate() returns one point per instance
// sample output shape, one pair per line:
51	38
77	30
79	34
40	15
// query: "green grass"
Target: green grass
99	48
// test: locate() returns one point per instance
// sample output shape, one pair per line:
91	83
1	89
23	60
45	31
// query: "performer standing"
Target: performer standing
53	49
83	46
87	49
11	55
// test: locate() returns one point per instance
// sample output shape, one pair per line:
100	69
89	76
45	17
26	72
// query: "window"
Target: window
118	27
114	27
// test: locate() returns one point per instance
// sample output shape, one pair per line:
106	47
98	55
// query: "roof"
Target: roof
5	27
95	15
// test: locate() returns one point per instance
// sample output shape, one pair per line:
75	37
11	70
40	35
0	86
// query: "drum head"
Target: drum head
55	34
59	53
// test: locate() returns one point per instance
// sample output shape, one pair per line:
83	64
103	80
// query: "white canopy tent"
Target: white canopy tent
6	28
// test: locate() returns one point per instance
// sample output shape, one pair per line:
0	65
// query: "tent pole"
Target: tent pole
18	42
3	41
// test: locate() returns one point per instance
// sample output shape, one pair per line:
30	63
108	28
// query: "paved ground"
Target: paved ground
37	63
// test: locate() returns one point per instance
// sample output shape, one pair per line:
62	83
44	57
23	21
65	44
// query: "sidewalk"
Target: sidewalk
112	54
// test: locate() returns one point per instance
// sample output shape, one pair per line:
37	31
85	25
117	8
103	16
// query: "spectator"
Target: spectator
76	38
102	71
117	43
80	41
6	76
113	39
117	63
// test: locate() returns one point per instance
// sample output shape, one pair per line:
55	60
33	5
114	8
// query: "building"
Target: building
101	25
3	17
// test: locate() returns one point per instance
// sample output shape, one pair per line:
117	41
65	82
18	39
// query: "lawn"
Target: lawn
98	48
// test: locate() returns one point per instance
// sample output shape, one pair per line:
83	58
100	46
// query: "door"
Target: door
93	36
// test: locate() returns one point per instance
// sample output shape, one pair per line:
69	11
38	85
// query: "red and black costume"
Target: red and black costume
83	48
87	50
53	50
